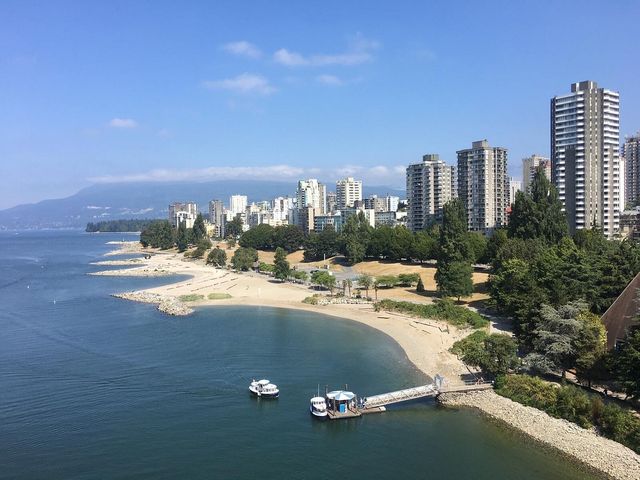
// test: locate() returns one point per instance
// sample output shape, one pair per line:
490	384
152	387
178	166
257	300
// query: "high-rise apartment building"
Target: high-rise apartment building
183	213
631	155
217	217
515	186
332	202
311	193
585	156
428	189
483	186
348	191
529	166
237	204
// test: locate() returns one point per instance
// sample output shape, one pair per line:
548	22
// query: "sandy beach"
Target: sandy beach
426	343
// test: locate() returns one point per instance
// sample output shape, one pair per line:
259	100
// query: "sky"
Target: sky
117	91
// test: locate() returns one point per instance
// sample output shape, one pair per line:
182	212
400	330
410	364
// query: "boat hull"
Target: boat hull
318	415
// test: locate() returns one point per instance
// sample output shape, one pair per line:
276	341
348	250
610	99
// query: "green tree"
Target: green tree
244	258
538	214
365	281
455	279
354	251
500	354
478	244
454	271
554	343
420	286
324	279
626	363
408	279
424	246
233	229
355	237
282	268
590	346
158	234
217	257
260	237
203	245
199	230
289	237
182	240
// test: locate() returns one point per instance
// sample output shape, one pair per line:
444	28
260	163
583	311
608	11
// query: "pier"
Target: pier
378	403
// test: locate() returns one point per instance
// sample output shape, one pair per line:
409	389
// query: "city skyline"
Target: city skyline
188	97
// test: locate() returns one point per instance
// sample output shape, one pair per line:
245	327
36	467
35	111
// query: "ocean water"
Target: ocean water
93	387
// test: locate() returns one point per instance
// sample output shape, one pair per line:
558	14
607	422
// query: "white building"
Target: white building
515	186
280	207
237	204
183	212
529	166
483	186
585	156
428	189
348	192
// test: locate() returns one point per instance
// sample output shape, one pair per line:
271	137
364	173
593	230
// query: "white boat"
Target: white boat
318	407
264	388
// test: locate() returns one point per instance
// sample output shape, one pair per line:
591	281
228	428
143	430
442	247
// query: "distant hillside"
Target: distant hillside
142	200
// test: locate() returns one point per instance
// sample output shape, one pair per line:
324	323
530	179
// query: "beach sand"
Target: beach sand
426	343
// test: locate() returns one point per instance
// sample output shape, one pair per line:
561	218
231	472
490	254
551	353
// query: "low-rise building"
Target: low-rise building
183	213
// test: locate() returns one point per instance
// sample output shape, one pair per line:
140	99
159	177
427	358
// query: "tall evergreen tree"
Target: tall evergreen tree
199	230
454	271
538	214
281	265
182	239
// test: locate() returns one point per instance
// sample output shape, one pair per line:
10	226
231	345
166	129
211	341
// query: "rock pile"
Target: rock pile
168	305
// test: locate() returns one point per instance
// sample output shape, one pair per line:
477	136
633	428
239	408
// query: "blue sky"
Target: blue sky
120	91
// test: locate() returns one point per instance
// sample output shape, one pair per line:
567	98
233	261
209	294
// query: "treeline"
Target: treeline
555	287
132	225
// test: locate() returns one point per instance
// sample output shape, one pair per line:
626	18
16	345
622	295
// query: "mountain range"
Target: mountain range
144	200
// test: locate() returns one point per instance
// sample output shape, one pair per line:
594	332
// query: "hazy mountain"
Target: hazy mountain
143	200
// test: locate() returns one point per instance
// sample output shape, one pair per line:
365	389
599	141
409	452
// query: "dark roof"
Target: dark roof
622	313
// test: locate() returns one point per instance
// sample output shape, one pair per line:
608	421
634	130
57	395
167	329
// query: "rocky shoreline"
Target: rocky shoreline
581	445
168	305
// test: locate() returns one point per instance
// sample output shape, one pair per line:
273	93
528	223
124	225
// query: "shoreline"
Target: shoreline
426	346
582	446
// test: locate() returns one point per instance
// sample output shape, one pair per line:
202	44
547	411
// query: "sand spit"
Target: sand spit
585	446
118	263
133	272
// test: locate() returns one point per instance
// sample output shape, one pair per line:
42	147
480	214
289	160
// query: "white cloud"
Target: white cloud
360	51
123	123
242	49
244	84
330	80
375	175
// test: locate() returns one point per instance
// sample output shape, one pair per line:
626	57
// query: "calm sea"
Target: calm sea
93	387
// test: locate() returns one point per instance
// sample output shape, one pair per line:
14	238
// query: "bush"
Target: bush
313	300
217	257
441	309
468	343
386	281
409	279
266	267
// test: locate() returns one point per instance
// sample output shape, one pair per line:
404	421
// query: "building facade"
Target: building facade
515	186
529	166
585	156
348	191
428	189
217	217
631	155
183	213
237	204
483	186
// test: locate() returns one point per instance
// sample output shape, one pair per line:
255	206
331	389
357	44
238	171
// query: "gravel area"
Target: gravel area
585	446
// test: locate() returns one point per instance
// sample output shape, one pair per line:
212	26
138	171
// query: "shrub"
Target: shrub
386	281
313	300
441	309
